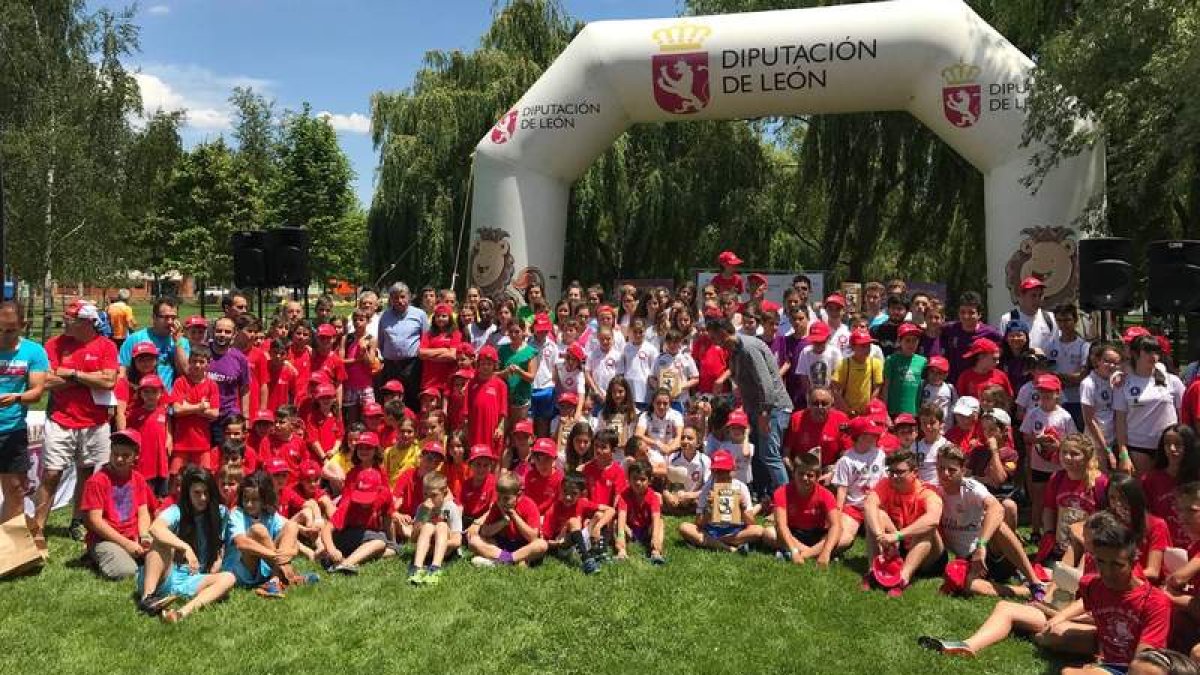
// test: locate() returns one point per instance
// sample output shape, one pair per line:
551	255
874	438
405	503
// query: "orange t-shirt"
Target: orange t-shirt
903	508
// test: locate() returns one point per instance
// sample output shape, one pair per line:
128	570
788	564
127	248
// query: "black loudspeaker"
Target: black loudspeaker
1106	281
1174	277
286	256
247	259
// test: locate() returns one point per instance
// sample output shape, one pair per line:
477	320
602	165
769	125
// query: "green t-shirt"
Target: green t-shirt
903	375
519	391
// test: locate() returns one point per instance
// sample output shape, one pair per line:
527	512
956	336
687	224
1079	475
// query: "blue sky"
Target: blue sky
332	53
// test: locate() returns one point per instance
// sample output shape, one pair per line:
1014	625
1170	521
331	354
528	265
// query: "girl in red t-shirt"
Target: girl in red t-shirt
1176	462
439	357
1075	492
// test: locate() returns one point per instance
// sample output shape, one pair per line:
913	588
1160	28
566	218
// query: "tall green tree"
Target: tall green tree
314	191
152	159
257	136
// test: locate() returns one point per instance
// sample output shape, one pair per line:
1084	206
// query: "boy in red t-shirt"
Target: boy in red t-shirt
148	416
305	502
983	356
1128	614
116	505
902	517
576	522
322	426
195	405
639	514
282	379
355	534
543	480
456	399
808	523
477	494
282	441
605	477
728	278
508	534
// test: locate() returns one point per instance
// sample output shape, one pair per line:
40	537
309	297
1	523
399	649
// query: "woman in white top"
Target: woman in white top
1147	402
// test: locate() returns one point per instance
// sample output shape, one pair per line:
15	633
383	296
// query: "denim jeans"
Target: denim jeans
769	470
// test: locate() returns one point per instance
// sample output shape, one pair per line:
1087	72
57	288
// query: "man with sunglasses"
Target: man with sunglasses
164	333
23	366
818	429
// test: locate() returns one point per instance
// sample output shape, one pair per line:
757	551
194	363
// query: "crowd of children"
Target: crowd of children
571	430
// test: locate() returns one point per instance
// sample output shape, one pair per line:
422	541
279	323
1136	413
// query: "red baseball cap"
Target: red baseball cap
130	435
151	381
481	451
277	465
1030	283
886	570
431	391
394	386
523	427
836	299
443	308
541	323
433	448
728	258
310	470
605	309
466	349
262	416
757	278
326	330
1048	383
903	419
568	398
1050	432
367	438
863	425
982	346
196	321
738	418
576	351
722	461
818	332
465	373
1132	333
545	446
954	577
144	349
367	487
878	412
372	410
939	363
909	330
326	391
860	336
488	353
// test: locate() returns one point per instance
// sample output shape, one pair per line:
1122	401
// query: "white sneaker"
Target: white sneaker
480	561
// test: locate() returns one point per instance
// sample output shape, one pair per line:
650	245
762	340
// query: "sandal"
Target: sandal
272	589
951	647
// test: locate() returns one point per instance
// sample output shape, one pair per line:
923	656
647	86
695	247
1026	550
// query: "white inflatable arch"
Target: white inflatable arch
935	59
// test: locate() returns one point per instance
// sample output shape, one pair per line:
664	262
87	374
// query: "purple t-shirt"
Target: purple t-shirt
957	341
231	372
789	352
932	346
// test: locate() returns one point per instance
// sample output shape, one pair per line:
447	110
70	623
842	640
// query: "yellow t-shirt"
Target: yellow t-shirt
397	459
858	379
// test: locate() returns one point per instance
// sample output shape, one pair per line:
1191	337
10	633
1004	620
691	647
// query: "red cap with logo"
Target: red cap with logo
1048	383
367	438
466	349
722	461
367	487
434	448
481	451
196	321
277	465
151	382
326	391
144	349
818	332
326	330
904	419
465	373
576	352
939	363
1030	283
372	409
310	470
541	323
131	436
262	416
860	336
729	259
431	391
488	353
568	398
394	386
443	308
863	425
1132	333
909	330
545	446
523	427
836	300
982	346
757	278
738	418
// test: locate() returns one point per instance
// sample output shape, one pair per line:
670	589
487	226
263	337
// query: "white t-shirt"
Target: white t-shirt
1027	396
685	367
927	454
661	429
603	366
479	337
840	337
637	362
962	516
697	469
744	495
1036	422
819	368
1096	393
547	358
942	395
1069	357
450	512
858	473
742	464
1148	407
1041	331
570	380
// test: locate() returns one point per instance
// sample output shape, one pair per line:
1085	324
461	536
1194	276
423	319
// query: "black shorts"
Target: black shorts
349	539
1000	569
809	537
14	452
1040	476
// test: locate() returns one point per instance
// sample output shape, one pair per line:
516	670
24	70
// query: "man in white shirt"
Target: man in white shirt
1029	309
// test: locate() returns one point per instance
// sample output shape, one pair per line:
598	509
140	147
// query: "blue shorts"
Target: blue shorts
718	531
541	404
177	580
244	576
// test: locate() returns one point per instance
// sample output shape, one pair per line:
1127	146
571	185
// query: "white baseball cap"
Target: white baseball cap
1001	416
966	406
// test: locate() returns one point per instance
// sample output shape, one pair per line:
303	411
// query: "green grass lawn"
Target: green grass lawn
702	613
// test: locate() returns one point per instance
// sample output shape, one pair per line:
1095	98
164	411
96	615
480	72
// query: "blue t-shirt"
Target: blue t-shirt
15	367
170	516
166	353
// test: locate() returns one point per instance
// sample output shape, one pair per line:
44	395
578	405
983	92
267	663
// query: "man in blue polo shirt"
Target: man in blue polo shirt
400	328
163	331
23	366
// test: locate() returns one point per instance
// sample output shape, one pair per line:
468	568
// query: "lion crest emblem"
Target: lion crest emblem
1048	253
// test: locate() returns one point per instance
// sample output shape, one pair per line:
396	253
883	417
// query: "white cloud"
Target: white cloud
199	91
354	123
159	10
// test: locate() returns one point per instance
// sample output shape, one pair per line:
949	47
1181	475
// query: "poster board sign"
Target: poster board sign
777	283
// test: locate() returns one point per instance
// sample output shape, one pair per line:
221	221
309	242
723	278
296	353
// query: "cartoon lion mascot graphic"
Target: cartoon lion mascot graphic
492	264
1047	253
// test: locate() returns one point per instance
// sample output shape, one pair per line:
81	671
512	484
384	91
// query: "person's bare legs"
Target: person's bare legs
692	534
154	567
849	532
12	486
44	501
443	541
923	549
657	535
423	537
368	550
530	552
213	588
82	473
1005	618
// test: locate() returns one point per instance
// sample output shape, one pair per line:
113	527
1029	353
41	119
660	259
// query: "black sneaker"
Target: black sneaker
154	604
77	531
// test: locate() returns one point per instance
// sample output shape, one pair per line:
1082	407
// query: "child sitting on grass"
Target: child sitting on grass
722	519
542	482
808	523
259	542
576	522
437	526
185	559
687	472
356	532
116	507
639	514
478	492
902	516
1128	614
855	474
508	534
